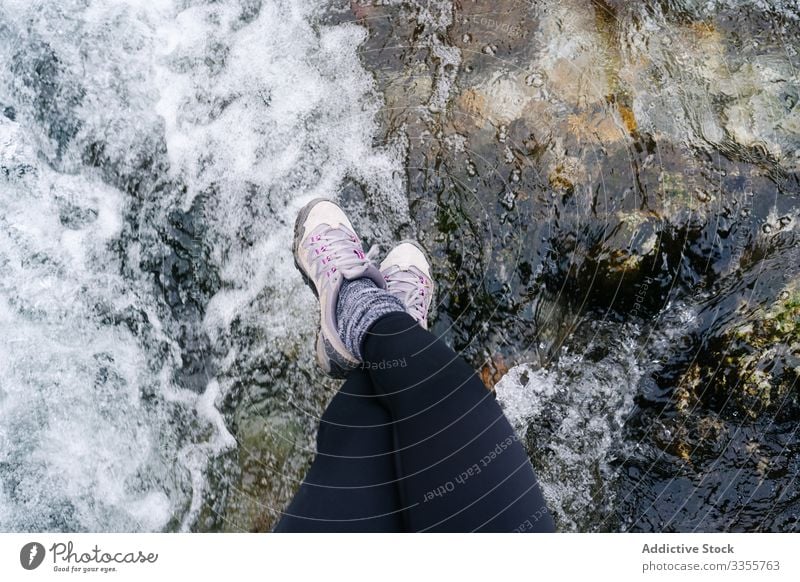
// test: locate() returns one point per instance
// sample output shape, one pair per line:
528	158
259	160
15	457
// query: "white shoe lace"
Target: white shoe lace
335	252
413	288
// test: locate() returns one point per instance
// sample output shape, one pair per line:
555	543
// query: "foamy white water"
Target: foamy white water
249	108
572	416
74	428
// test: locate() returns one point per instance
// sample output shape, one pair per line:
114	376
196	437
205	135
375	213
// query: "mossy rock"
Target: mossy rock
273	457
759	362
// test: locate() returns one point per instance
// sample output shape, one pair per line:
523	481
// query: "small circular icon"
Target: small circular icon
31	555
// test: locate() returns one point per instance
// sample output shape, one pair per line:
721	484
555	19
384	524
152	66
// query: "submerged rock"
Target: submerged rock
273	455
755	368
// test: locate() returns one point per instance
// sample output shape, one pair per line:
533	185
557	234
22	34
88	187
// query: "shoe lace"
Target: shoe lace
411	287
337	252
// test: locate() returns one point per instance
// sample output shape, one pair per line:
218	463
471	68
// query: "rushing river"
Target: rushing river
609	190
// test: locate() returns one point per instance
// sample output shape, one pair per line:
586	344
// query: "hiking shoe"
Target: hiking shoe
327	251
407	273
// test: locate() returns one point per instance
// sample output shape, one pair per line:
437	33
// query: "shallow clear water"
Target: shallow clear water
609	191
614	193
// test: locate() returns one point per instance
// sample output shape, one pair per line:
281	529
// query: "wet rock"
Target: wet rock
493	371
53	97
273	454
756	367
596	159
739	104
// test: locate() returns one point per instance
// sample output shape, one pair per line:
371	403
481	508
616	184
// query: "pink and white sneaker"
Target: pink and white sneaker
407	273
326	252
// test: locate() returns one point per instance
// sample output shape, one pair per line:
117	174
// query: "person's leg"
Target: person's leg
460	465
351	485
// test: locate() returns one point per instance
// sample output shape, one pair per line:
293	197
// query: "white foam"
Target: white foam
76	433
787	8
584	406
299	117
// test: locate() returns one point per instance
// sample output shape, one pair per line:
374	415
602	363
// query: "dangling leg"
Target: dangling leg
351	485
461	467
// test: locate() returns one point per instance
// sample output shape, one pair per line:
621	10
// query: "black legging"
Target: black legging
414	442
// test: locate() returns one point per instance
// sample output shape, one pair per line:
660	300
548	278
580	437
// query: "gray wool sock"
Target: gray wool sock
361	303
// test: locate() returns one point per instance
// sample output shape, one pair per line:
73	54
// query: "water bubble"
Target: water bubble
502	133
534	80
507	199
471	169
767	228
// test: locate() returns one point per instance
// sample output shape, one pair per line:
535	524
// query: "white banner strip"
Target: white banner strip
421	558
